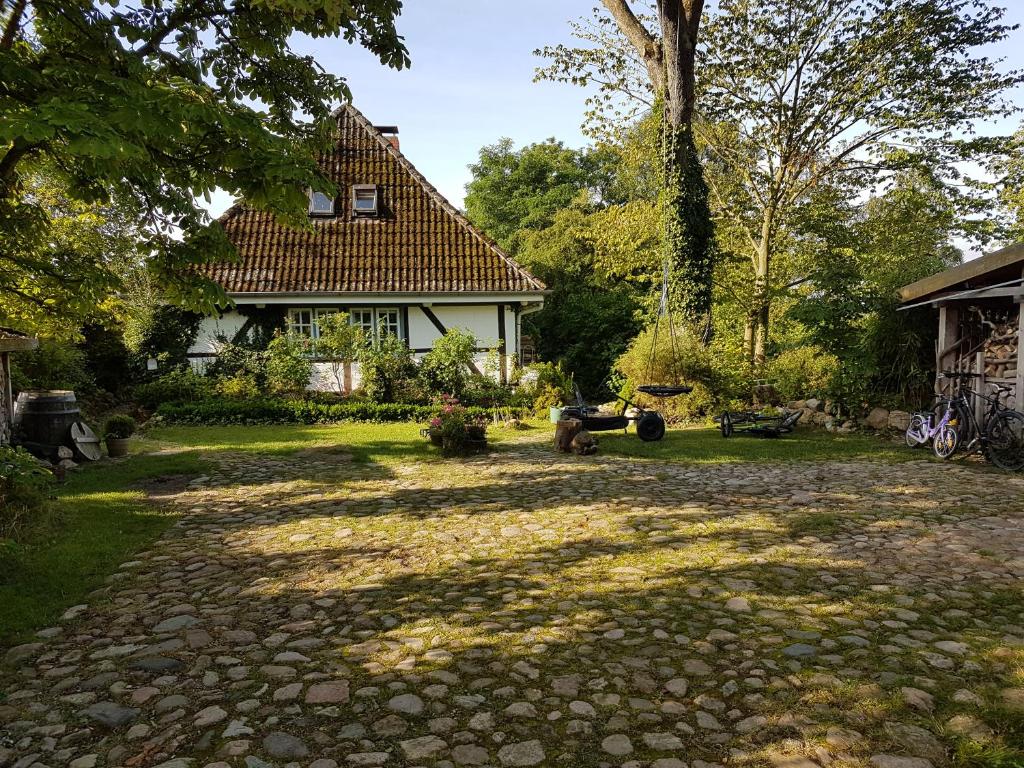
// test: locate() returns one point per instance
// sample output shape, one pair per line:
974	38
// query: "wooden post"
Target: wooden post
981	386
6	399
1018	389
949	326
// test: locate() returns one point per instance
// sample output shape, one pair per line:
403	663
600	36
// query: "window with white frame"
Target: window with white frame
377	322
320	204
364	200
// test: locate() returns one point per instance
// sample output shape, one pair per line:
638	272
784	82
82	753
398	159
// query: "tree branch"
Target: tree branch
641	39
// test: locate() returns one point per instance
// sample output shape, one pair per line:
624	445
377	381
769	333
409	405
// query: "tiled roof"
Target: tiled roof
421	243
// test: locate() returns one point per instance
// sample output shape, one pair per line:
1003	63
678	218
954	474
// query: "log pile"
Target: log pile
1001	350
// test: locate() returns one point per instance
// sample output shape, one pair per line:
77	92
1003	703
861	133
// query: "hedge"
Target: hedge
277	411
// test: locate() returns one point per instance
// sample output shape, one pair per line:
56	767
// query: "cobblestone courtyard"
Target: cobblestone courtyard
524	609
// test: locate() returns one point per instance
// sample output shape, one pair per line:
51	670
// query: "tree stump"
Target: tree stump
584	443
565	431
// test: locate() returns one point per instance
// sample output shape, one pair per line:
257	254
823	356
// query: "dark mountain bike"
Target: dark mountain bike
999	435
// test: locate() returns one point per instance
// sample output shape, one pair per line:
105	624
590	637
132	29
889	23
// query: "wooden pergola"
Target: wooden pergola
10	341
981	320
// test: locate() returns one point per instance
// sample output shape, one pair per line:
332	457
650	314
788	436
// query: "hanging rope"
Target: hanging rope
664	310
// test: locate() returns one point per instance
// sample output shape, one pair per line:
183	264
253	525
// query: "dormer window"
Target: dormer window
320	204
365	200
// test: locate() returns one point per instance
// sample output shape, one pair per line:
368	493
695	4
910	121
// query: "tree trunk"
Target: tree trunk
689	232
760	305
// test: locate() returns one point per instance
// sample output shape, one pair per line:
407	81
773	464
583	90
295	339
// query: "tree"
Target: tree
159	103
340	342
669	60
825	94
516	191
838	93
1010	170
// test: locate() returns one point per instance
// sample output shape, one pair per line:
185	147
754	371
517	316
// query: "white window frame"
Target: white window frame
357	316
365	192
320	204
306	320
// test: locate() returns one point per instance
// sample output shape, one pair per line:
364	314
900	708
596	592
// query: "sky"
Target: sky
471	81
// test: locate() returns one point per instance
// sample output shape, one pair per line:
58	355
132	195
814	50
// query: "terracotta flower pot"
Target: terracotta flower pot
117	446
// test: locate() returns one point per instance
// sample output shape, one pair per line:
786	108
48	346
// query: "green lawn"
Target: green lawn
101	516
98	521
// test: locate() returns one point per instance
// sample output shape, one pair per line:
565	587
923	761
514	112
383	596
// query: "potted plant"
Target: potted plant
116	433
455	431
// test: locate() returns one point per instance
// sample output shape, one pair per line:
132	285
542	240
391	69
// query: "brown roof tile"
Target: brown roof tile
421	243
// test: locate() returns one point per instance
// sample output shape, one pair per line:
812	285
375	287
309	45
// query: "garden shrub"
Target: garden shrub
178	385
444	370
288	363
340	342
234	360
387	369
803	372
53	365
240	386
25	487
309	411
119	427
715	381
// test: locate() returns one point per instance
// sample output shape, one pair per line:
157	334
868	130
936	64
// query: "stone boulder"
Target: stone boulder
878	418
814	404
899	420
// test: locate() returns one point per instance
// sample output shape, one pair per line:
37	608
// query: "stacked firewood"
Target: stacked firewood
1001	352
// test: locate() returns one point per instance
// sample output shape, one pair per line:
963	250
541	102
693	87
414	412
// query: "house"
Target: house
389	250
981	321
10	341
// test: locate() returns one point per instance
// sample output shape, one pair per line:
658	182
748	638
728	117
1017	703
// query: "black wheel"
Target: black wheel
1004	440
650	427
725	424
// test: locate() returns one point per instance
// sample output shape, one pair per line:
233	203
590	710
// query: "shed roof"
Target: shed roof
16	341
422	243
990	269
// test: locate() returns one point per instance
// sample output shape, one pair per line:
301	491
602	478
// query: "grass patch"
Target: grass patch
705	445
822	523
98	521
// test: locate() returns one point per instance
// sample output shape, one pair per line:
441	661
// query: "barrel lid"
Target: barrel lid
85	440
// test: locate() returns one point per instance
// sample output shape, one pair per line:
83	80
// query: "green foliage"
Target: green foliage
546	385
25	487
652	358
444	370
172	332
460	430
53	365
288	363
119	427
178	385
340	342
803	372
514	192
387	369
162	106
239	386
239	360
280	411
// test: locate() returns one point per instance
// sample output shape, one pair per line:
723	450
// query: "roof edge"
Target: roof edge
1004	257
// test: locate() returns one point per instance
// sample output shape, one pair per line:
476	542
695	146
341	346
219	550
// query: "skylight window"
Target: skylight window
365	200
320	204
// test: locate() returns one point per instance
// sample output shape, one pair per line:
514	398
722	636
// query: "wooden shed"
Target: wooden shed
981	320
10	341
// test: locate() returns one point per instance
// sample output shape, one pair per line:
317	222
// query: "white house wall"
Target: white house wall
480	320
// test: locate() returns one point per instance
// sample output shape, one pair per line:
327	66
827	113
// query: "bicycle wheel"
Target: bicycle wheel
915	430
946	442
1004	440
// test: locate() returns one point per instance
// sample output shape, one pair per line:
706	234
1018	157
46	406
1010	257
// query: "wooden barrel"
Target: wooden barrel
46	416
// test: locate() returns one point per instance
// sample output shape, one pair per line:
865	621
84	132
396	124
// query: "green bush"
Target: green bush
387	369
53	365
178	385
279	411
119	427
288	363
240	386
803	372
654	360
25	487
444	370
234	360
